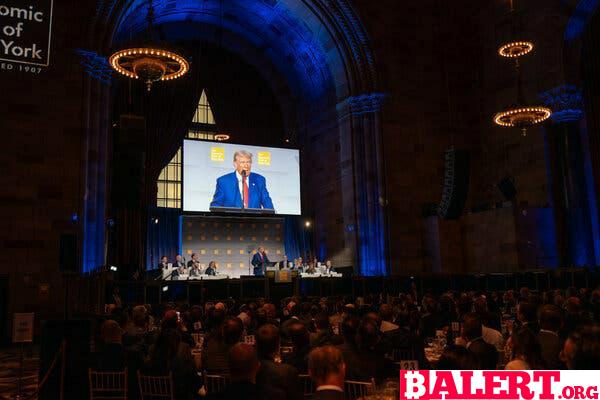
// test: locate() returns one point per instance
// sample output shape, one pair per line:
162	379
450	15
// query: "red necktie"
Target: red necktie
245	184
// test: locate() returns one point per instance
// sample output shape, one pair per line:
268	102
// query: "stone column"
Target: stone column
570	193
363	155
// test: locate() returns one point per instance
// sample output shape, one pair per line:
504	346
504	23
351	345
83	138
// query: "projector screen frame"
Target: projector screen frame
240	213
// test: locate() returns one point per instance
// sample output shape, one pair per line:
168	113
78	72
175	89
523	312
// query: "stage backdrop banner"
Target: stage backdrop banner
231	242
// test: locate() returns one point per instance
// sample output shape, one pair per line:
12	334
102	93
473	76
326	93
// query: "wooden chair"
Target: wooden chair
155	387
307	384
107	385
198	338
215	383
355	390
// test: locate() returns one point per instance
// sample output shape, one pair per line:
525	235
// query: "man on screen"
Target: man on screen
242	188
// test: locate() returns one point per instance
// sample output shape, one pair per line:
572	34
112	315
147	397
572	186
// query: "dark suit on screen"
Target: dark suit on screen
227	192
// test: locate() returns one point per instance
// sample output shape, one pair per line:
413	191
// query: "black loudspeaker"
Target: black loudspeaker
456	183
507	187
77	334
68	255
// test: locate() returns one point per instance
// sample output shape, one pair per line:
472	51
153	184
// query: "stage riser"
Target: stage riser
252	288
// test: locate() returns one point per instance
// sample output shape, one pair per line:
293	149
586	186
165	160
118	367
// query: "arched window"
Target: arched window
169	181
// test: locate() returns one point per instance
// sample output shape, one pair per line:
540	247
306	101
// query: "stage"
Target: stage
250	287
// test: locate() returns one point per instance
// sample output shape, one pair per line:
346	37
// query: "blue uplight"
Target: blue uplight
579	18
296	51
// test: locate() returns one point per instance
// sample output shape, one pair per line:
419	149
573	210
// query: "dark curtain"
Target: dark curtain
297	238
162	238
169	109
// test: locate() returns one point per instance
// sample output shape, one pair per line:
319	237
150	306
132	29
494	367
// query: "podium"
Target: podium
239	210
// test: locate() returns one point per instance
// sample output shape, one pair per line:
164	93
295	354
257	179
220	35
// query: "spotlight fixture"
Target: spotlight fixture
515	49
150	62
307	224
221	137
113	268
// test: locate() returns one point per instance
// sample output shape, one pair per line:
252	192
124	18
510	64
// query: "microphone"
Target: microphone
243	191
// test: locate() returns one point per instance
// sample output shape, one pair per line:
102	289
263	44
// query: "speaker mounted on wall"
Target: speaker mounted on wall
456	183
68	253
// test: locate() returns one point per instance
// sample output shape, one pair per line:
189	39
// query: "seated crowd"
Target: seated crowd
265	350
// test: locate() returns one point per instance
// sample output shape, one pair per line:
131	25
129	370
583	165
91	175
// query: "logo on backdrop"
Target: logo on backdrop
25	34
217	154
499	385
264	158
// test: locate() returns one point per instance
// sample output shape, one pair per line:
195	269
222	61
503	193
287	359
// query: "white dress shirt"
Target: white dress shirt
493	337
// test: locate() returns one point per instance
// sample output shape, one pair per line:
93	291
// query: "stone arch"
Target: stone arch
320	48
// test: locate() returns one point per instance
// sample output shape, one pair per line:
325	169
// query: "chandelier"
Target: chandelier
150	62
521	115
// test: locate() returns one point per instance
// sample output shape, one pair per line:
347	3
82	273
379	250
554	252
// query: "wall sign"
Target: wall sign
25	33
23	327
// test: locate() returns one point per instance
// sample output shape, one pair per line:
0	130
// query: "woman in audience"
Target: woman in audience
525	350
171	355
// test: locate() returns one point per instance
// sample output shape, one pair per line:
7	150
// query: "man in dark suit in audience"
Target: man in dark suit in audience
550	343
349	329
243	367
485	354
214	357
327	369
527	316
278	376
299	336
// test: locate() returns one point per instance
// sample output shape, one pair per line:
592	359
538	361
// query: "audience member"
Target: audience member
243	366
327	369
485	354
272	373
550	343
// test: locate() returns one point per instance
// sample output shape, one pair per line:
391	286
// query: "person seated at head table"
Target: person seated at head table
211	269
329	267
195	270
312	268
298	263
193	261
179	264
283	263
164	263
